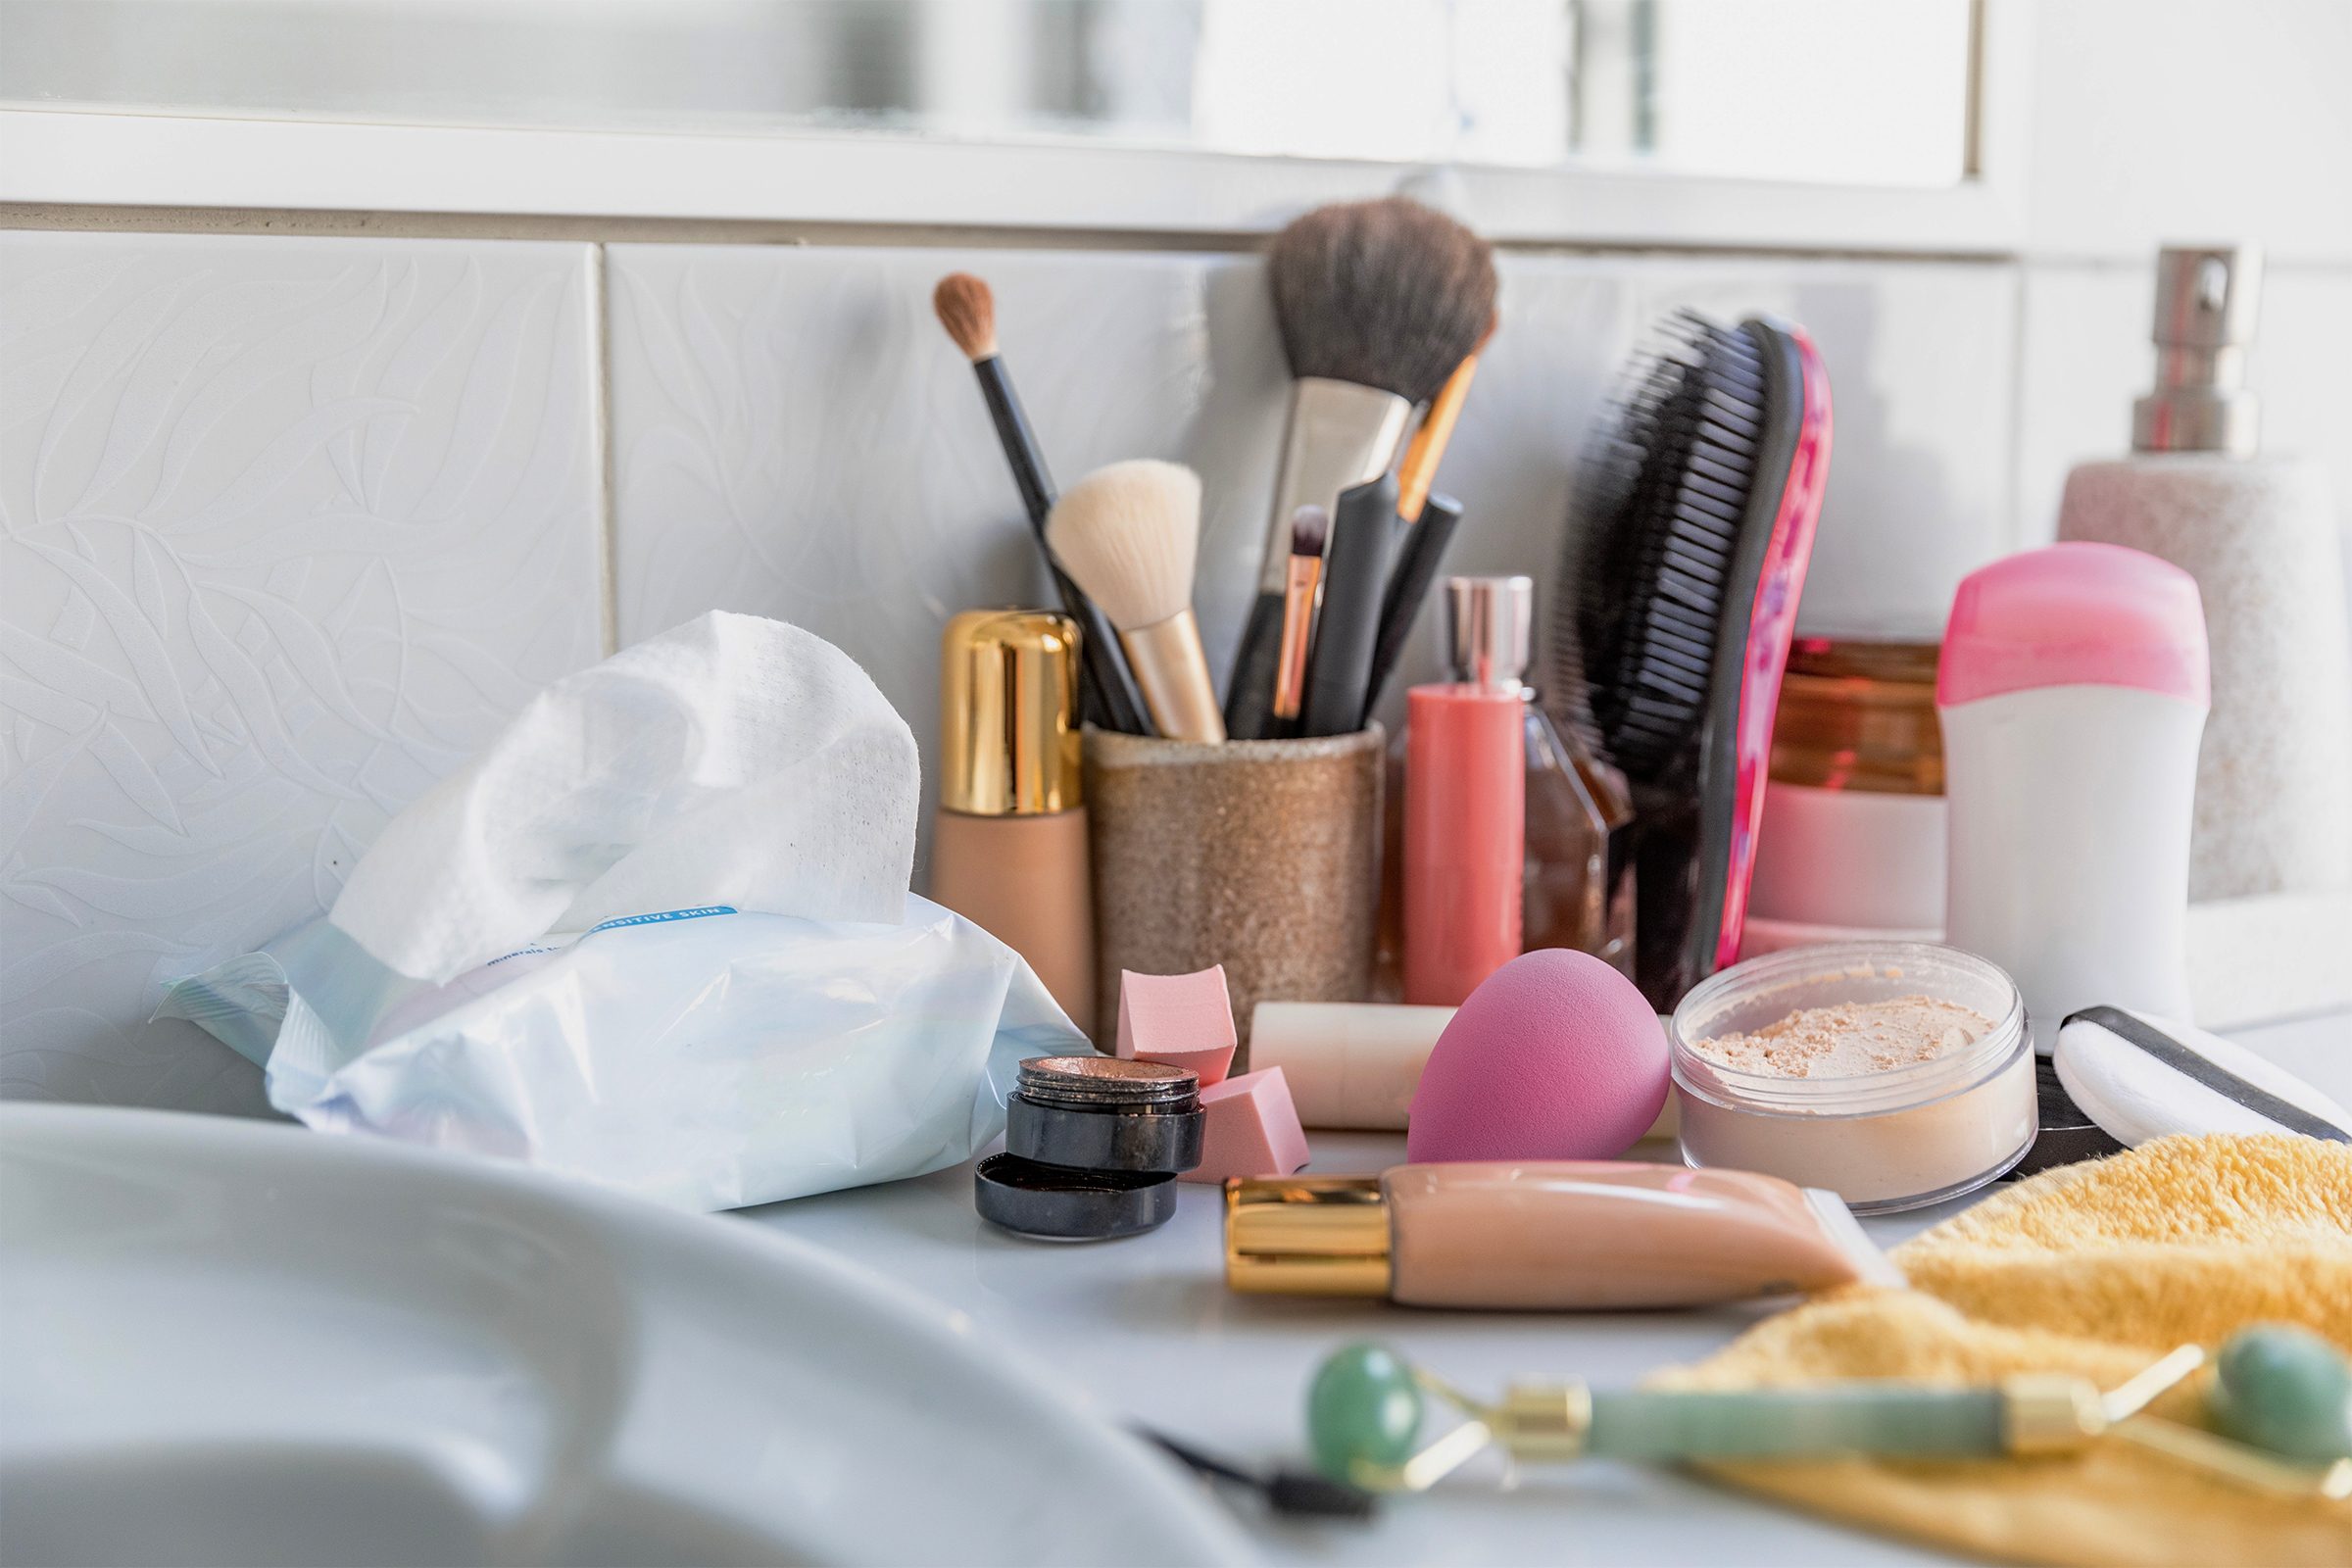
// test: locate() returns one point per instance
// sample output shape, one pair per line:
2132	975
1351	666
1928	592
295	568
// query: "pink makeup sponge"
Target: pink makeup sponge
1185	1020
1253	1129
1555	1057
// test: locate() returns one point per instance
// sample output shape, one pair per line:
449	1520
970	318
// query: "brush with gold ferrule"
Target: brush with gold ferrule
1128	535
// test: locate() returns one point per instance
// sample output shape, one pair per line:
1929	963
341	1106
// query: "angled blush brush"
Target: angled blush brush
967	308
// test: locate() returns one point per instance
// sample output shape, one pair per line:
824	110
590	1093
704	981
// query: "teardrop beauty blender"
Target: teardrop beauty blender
1555	1057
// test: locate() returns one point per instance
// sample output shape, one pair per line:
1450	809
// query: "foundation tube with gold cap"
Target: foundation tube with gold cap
1538	1236
1009	846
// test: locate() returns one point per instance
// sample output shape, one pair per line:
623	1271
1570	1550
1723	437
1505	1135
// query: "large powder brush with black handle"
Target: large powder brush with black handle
1378	303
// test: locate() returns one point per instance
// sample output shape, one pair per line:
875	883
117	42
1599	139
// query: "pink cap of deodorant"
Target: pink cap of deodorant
2074	614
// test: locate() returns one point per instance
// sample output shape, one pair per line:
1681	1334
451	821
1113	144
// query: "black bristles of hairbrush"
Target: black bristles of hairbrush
1658	507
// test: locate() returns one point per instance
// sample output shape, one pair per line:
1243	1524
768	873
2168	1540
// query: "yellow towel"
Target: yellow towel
2096	1268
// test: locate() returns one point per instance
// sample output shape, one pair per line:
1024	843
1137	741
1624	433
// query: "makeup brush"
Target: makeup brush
1127	535
1419	469
1377	303
1417	562
1309	527
1363	542
967	308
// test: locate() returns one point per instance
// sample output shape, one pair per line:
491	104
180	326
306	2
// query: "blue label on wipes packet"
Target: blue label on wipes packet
666	915
700	912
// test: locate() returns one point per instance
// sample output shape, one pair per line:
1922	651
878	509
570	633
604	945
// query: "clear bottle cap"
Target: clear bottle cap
1489	630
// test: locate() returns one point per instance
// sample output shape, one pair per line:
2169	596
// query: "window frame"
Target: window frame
59	157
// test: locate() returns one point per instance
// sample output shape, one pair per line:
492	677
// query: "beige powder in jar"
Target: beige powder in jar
1849	1038
1889	1155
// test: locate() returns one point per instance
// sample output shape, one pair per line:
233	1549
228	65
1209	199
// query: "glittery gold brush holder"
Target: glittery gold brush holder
1262	856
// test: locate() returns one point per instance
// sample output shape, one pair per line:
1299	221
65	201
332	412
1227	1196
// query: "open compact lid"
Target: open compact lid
2074	614
2141	1077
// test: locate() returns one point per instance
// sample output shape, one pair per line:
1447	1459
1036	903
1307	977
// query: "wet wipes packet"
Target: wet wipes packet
704	1057
657	934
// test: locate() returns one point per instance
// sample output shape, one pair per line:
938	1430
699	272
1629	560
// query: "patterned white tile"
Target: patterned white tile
795	435
287	528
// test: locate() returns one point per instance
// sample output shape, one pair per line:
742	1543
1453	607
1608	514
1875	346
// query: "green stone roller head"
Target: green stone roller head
2285	1390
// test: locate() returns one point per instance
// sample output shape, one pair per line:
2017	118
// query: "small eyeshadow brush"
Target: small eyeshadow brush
1309	528
967	308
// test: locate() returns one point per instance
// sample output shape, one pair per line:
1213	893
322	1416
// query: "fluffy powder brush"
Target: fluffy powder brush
1127	535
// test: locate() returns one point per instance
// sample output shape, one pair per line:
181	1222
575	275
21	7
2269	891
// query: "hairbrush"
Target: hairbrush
1693	523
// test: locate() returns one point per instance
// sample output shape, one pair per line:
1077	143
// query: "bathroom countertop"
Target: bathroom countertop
1147	1329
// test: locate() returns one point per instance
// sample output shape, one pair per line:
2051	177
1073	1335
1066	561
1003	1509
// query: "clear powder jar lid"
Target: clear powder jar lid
1761	992
1885	1137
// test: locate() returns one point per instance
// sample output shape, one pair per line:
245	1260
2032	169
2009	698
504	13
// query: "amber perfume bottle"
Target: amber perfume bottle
1578	889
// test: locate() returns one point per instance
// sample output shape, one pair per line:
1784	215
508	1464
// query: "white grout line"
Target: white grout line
258	221
2013	531
600	421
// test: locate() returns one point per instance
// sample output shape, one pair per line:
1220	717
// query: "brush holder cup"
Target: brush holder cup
1262	856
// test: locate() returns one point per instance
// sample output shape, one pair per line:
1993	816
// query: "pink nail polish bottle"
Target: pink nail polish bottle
1465	797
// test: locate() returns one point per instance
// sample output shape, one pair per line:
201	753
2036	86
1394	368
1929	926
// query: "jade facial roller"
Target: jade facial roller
1366	1405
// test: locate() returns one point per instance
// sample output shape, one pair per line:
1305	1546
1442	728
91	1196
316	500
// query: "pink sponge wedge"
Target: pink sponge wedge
1185	1020
1555	1057
1253	1129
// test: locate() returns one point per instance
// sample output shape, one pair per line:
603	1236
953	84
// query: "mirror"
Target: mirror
1872	92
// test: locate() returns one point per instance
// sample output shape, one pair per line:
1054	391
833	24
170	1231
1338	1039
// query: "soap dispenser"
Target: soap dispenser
2259	535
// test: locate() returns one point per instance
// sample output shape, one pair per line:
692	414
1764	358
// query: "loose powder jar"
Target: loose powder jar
1897	1074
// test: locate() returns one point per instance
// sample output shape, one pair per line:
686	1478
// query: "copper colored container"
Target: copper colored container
1857	715
1262	856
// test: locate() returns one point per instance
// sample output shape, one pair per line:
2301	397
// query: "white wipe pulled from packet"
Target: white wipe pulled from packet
658	936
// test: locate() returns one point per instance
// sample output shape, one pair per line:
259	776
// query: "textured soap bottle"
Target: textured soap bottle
1008	847
1465	797
2259	535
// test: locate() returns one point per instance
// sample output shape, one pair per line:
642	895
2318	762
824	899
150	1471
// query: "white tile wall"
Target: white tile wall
794	435
287	527
2156	120
291	525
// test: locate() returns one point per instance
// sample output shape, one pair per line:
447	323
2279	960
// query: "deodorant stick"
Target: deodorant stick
2072	691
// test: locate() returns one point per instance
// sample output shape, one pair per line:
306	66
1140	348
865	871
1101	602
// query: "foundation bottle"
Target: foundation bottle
1009	846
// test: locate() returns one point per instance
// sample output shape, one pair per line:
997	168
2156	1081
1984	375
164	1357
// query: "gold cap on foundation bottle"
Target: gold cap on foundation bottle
1306	1236
1009	713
